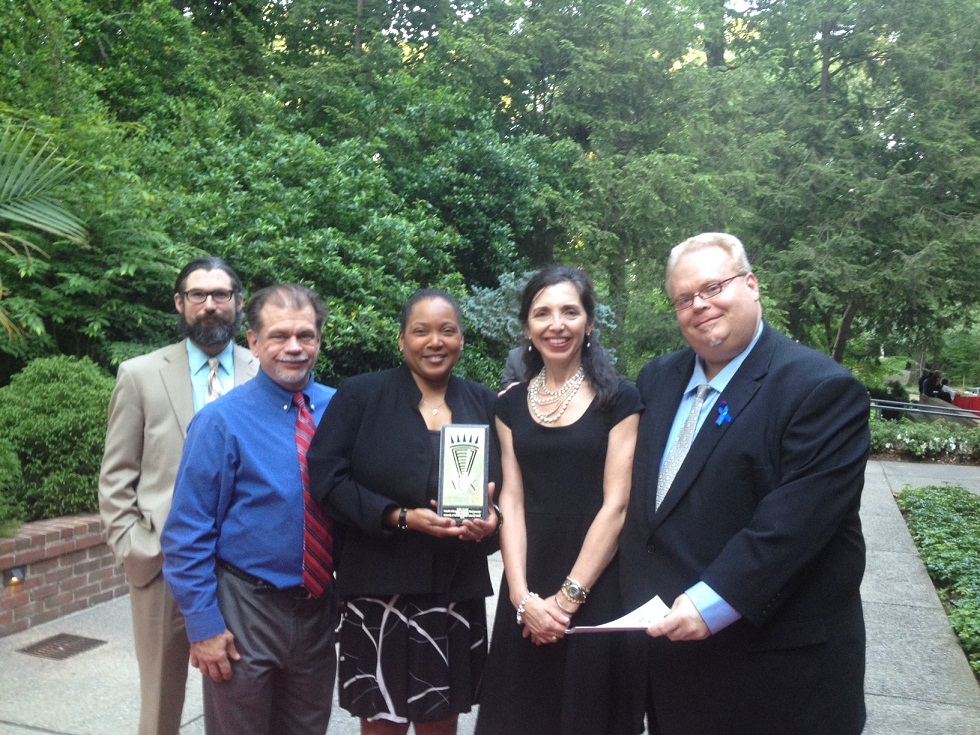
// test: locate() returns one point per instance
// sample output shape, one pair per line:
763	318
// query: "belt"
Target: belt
260	584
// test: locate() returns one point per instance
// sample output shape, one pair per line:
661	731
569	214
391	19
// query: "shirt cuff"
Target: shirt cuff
716	613
204	624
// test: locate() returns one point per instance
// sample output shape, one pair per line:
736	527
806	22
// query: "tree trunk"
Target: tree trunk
844	331
714	33
618	296
357	27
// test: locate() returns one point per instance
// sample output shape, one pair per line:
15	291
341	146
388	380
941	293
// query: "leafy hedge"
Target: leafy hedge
945	525
53	422
10	510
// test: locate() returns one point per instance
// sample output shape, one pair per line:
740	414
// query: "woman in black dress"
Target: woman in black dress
567	440
413	635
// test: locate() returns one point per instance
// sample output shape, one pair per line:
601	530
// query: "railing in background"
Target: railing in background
929	411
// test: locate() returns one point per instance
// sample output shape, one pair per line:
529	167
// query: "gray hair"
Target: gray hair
286	296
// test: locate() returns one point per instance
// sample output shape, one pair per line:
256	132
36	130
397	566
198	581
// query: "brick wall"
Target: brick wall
69	567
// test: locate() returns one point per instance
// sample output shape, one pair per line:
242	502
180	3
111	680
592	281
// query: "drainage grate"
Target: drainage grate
61	646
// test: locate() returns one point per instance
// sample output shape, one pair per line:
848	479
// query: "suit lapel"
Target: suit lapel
739	392
246	365
176	376
175	373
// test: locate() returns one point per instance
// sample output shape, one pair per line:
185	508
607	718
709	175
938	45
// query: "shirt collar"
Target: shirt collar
285	395
198	358
724	376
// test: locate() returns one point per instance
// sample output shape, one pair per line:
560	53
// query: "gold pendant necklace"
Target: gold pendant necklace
435	409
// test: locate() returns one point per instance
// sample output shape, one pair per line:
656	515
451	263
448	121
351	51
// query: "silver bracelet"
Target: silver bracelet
520	608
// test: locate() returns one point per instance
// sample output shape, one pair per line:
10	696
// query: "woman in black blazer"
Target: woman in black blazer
413	636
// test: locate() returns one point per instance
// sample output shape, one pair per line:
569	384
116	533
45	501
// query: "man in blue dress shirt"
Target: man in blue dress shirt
260	633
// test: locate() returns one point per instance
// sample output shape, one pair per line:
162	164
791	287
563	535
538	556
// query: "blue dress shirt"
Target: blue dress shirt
238	497
716	613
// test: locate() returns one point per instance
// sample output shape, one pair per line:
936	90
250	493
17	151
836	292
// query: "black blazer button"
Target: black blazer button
651	549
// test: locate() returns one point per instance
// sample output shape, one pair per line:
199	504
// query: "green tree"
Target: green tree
850	218
366	147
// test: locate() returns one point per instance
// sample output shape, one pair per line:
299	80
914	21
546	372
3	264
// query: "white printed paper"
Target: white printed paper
640	619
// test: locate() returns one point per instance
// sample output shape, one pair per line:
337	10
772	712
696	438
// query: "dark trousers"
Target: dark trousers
283	684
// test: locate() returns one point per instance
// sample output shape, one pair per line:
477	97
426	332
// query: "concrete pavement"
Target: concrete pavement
918	681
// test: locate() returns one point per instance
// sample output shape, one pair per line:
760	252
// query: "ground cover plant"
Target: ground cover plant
945	525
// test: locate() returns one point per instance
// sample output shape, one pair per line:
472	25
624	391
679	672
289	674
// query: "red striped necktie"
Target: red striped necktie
317	528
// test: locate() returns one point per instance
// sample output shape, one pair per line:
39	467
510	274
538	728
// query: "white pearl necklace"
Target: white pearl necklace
539	395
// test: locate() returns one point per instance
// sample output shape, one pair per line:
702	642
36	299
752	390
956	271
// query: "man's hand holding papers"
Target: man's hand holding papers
641	618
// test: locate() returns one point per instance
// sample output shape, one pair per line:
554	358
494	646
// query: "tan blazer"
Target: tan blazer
150	409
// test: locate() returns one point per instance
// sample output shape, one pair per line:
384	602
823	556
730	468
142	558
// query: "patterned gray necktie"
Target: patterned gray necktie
215	389
677	452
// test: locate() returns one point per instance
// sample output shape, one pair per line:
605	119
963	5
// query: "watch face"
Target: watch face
574	590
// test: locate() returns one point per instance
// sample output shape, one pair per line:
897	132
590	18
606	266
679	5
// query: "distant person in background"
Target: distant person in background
155	398
930	386
922	381
945	392
514	370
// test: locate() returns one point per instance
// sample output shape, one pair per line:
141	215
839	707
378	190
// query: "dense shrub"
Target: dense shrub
53	414
945	525
10	510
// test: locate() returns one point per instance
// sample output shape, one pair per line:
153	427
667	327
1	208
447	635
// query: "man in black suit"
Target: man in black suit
756	542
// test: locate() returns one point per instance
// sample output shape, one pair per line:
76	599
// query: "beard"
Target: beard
211	330
291	380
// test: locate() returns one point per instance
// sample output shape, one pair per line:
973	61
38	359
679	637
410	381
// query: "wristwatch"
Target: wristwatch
574	591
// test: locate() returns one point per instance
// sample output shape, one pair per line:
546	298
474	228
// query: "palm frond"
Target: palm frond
27	177
44	213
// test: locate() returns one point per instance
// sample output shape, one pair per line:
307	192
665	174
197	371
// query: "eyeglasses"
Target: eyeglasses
708	292
197	296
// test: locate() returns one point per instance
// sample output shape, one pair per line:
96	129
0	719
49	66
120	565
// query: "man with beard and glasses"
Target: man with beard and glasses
156	396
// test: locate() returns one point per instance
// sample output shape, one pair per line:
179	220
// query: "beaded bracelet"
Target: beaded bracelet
520	608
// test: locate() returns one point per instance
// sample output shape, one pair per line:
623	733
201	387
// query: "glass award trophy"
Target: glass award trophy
463	470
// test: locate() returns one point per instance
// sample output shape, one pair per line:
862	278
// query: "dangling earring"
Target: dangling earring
530	348
588	340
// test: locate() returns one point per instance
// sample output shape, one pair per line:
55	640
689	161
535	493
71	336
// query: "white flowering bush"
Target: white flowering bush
905	439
